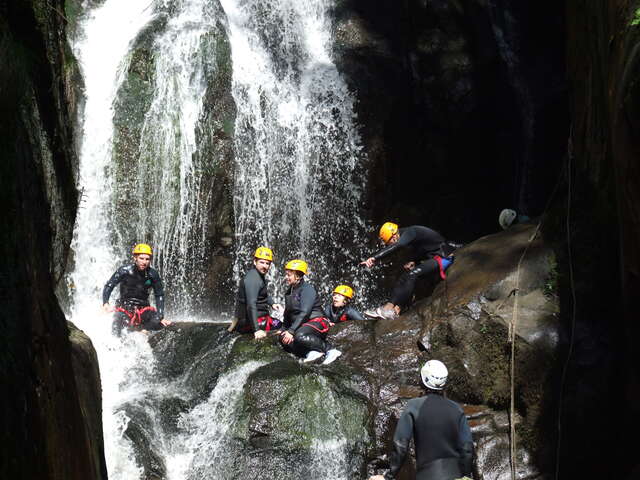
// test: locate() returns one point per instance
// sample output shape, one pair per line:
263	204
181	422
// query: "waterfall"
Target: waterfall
102	49
299	172
299	177
201	452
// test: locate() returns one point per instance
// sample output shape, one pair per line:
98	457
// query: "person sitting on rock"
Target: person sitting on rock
338	309
253	302
431	254
132	308
305	324
439	427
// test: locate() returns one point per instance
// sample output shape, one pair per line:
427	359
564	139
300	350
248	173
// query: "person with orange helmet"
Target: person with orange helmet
254	302
431	253
305	325
132	309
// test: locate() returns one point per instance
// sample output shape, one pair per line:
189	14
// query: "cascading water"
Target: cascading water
299	171
298	179
103	58
163	194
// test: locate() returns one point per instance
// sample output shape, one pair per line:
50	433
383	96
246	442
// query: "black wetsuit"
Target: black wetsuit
424	244
134	295
337	315
443	443
305	320
253	303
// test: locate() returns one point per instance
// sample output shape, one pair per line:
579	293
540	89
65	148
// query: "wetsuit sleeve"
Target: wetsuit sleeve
158	292
251	290
465	446
307	300
353	314
406	237
401	439
115	279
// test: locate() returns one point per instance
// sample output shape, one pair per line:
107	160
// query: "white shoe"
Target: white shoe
312	355
380	312
374	313
331	356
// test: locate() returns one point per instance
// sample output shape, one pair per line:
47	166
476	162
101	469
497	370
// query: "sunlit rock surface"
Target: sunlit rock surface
259	408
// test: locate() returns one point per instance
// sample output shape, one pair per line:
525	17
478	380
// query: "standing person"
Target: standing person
439	428
132	308
254	303
431	254
305	326
338	309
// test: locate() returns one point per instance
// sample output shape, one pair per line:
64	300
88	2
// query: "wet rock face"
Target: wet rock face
455	103
42	414
286	411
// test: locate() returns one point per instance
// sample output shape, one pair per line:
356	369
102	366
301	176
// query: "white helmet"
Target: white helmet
506	218
434	374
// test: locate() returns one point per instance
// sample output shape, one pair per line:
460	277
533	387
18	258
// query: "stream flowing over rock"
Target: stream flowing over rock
206	127
239	407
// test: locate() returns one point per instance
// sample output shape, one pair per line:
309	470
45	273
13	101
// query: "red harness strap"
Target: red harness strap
265	322
135	318
438	259
343	318
320	324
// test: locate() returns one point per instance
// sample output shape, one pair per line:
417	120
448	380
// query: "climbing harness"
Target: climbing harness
135	318
320	324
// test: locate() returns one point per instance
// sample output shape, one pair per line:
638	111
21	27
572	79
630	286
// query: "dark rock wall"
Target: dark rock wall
603	40
43	431
457	100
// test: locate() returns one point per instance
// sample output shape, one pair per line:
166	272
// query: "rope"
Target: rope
514	323
565	368
512	340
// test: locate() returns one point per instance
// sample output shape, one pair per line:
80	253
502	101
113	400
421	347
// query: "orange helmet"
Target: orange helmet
387	231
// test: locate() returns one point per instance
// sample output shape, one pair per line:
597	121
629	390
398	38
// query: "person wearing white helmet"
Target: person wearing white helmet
442	437
510	217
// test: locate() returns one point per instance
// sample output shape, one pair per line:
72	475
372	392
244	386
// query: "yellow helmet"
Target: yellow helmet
142	248
297	265
264	253
387	231
345	290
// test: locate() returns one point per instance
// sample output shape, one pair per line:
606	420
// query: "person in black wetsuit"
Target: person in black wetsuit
305	326
441	434
254	303
431	254
132	308
338	309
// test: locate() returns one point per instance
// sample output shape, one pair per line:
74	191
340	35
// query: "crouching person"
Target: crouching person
305	326
254	302
132	308
338	309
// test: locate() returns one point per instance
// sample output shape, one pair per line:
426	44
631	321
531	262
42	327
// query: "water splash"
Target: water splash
167	187
202	453
102	55
299	172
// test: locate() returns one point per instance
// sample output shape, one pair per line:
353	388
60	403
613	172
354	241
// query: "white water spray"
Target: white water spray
105	38
299	172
